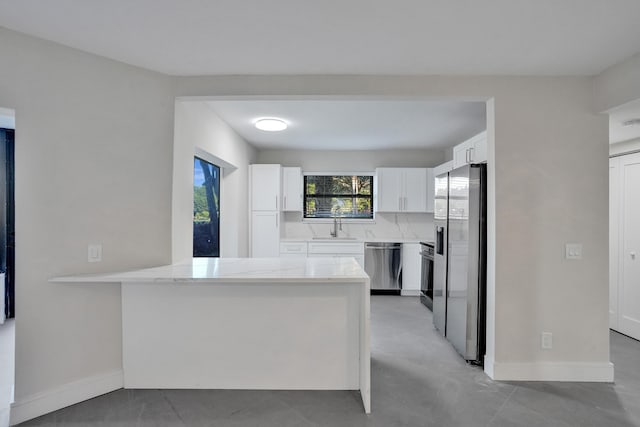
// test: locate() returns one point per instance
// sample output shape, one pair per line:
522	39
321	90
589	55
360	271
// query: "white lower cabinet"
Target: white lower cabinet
411	266
337	250
293	249
265	234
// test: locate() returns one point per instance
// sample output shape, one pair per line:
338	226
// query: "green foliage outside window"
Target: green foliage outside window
344	196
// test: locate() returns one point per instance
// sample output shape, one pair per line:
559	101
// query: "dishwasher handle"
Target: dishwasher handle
385	246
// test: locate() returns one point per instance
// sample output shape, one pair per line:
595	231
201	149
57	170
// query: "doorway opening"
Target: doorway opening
7	263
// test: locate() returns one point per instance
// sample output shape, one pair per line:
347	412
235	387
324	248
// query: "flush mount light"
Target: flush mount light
632	122
270	124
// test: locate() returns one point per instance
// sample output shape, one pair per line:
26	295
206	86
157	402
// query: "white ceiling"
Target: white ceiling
619	132
192	37
354	124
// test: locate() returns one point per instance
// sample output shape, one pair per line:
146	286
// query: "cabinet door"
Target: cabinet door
411	266
265	187
389	195
460	155
614	242
431	185
478	152
629	284
292	189
265	234
415	190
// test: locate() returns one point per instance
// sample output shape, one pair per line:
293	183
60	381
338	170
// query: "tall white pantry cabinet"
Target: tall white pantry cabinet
265	201
624	244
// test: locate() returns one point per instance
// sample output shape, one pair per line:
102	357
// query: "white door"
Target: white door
415	190
265	187
614	242
629	285
265	234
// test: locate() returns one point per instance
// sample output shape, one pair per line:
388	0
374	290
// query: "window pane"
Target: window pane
345	196
206	209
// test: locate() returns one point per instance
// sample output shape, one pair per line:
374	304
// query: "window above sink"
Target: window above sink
345	196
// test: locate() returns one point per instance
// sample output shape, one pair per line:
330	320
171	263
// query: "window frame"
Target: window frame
371	220
197	157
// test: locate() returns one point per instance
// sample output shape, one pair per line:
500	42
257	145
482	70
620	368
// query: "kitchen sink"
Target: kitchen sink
335	238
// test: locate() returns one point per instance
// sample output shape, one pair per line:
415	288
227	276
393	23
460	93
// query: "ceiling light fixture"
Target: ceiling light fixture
632	122
270	124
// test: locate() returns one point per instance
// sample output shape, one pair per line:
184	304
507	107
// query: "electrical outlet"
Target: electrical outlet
547	340
94	253
573	251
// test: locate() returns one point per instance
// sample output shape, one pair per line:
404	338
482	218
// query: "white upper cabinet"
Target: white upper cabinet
389	194
402	190
473	150
431	185
265	187
292	186
415	190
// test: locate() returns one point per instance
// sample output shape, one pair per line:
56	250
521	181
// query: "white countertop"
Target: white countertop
246	270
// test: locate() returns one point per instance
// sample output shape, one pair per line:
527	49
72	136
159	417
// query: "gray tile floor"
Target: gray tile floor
417	380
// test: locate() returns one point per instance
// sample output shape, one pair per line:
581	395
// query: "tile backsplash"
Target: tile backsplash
417	226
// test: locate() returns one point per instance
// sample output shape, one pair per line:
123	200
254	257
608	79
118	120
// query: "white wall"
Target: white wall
409	226
197	126
544	140
93	159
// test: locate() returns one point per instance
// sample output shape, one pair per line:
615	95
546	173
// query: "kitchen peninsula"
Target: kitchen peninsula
245	323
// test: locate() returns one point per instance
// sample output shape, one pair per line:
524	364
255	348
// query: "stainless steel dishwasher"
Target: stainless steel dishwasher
383	264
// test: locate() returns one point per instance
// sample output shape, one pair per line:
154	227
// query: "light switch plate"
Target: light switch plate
94	253
547	341
573	251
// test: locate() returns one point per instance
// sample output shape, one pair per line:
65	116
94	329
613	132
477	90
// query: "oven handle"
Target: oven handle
426	255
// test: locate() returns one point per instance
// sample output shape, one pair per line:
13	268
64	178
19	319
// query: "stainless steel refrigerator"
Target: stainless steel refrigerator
459	279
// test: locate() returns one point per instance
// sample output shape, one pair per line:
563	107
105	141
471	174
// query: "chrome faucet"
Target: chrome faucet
336	220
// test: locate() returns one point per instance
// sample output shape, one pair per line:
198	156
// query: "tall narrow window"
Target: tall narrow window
206	209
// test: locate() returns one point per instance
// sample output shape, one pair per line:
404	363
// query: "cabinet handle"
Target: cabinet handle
471	155
276	220
285	202
399	203
466	155
633	255
276	202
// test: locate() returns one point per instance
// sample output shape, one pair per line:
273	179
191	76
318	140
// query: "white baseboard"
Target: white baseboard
549	371
38	404
410	292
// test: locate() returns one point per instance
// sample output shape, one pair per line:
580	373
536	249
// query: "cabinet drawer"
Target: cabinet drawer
335	248
293	248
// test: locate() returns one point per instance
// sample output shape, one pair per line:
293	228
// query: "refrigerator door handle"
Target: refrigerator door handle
440	240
